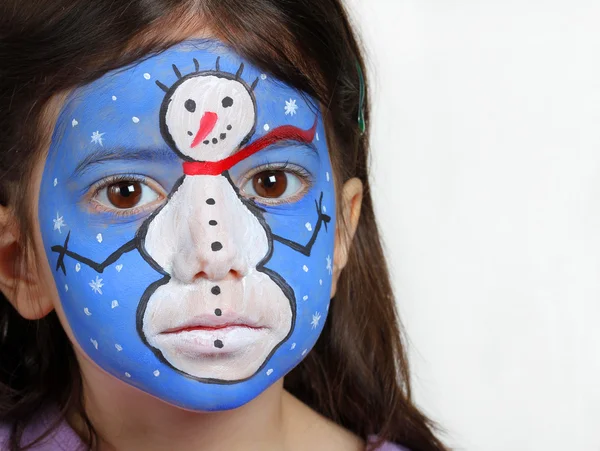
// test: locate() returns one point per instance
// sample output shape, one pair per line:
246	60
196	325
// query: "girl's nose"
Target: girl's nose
208	252
215	232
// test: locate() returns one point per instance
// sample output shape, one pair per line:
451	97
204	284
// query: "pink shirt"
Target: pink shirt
64	437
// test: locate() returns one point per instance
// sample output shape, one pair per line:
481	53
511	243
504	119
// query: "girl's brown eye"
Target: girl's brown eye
270	184
274	185
124	195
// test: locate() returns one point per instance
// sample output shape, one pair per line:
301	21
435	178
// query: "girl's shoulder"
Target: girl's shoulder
4	434
61	438
65	438
387	446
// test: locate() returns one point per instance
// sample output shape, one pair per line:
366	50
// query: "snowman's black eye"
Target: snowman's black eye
227	102
190	105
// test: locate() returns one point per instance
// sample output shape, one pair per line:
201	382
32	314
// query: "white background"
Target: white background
486	169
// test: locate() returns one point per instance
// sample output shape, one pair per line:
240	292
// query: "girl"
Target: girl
191	259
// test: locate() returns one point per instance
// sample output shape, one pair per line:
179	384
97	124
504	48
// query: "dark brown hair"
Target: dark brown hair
357	374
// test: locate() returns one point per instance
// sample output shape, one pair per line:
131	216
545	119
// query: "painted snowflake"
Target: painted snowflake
59	222
329	267
97	285
97	137
290	107
315	320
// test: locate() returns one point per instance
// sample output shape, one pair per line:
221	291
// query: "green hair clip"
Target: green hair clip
361	102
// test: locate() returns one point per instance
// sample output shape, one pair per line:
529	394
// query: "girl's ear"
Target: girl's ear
351	202
20	281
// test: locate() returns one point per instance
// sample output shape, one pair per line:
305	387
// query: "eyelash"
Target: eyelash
97	187
105	183
298	171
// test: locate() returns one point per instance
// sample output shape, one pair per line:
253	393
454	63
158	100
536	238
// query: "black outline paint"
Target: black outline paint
307	248
98	267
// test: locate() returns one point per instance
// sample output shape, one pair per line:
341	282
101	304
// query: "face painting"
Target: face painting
187	211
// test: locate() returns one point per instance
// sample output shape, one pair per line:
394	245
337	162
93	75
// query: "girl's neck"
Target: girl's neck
125	418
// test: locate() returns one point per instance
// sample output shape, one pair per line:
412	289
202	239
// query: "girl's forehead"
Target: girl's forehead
167	67
122	108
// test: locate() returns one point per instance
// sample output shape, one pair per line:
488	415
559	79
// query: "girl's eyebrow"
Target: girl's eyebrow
159	154
281	134
103	155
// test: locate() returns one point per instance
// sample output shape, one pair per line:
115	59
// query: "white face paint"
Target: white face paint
209	116
219	316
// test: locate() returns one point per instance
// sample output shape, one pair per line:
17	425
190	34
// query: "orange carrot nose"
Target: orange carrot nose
207	124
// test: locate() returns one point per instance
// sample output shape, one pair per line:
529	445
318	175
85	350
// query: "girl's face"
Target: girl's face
187	211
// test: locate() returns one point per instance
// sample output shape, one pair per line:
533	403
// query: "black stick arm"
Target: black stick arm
98	267
307	248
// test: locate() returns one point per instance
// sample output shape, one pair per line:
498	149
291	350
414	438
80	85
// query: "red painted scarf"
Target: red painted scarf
283	133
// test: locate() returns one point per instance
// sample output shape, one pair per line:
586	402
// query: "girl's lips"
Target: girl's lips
212	323
199	342
208	328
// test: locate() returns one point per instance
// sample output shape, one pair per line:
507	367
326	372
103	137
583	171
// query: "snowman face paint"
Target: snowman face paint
208	103
186	207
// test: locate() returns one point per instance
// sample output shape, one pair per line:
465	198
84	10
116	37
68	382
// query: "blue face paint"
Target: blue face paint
187	210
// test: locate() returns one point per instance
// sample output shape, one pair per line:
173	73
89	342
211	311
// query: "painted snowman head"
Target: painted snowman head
208	115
